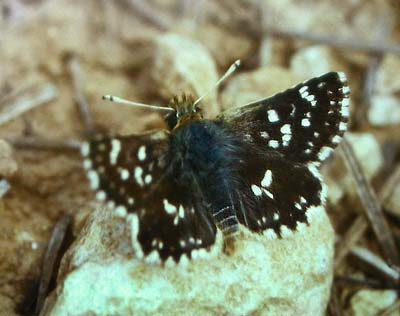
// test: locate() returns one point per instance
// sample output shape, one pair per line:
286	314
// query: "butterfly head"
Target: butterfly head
185	110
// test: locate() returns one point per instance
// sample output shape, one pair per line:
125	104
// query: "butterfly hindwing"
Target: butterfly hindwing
132	173
304	123
276	196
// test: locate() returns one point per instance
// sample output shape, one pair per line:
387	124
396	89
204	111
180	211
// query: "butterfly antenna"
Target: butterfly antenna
230	71
136	104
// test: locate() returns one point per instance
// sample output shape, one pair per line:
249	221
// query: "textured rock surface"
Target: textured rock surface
384	110
368	153
315	60
255	85
372	302
8	165
101	276
185	65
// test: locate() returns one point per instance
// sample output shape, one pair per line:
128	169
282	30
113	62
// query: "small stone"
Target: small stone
387	79
339	180
100	275
182	64
372	302
384	110
314	61
224	46
256	85
8	165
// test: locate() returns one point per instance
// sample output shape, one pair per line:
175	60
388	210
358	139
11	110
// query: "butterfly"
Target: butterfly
254	167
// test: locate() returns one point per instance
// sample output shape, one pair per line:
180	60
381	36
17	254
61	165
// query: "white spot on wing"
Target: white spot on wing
148	178
87	164
286	139
124	174
310	98
336	139
138	175
267	180
342	126
153	257
94	179
303	89
256	190
273	116
286	232
264	134
120	211
142	153
273	143
324	153
286	129
115	149
85	149
346	90
101	195
305	122
342	76
134	220
168	207
270	234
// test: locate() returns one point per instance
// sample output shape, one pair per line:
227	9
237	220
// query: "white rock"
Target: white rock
182	64
314	61
254	85
290	276
372	302
387	79
384	110
339	179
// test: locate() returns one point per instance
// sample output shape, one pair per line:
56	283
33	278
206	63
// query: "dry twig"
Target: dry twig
371	48
371	204
29	100
45	144
50	259
80	99
376	265
151	15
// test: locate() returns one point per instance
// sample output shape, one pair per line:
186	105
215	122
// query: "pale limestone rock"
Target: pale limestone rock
100	275
372	302
224	46
384	110
369	155
255	85
314	61
185	65
8	165
387	78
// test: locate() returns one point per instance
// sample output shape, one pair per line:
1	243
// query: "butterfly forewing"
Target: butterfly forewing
303	123
132	174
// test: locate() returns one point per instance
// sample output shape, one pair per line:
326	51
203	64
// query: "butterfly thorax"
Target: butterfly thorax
206	159
185	110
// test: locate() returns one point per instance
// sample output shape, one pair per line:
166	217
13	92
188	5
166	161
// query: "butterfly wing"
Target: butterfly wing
287	136
133	174
303	123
